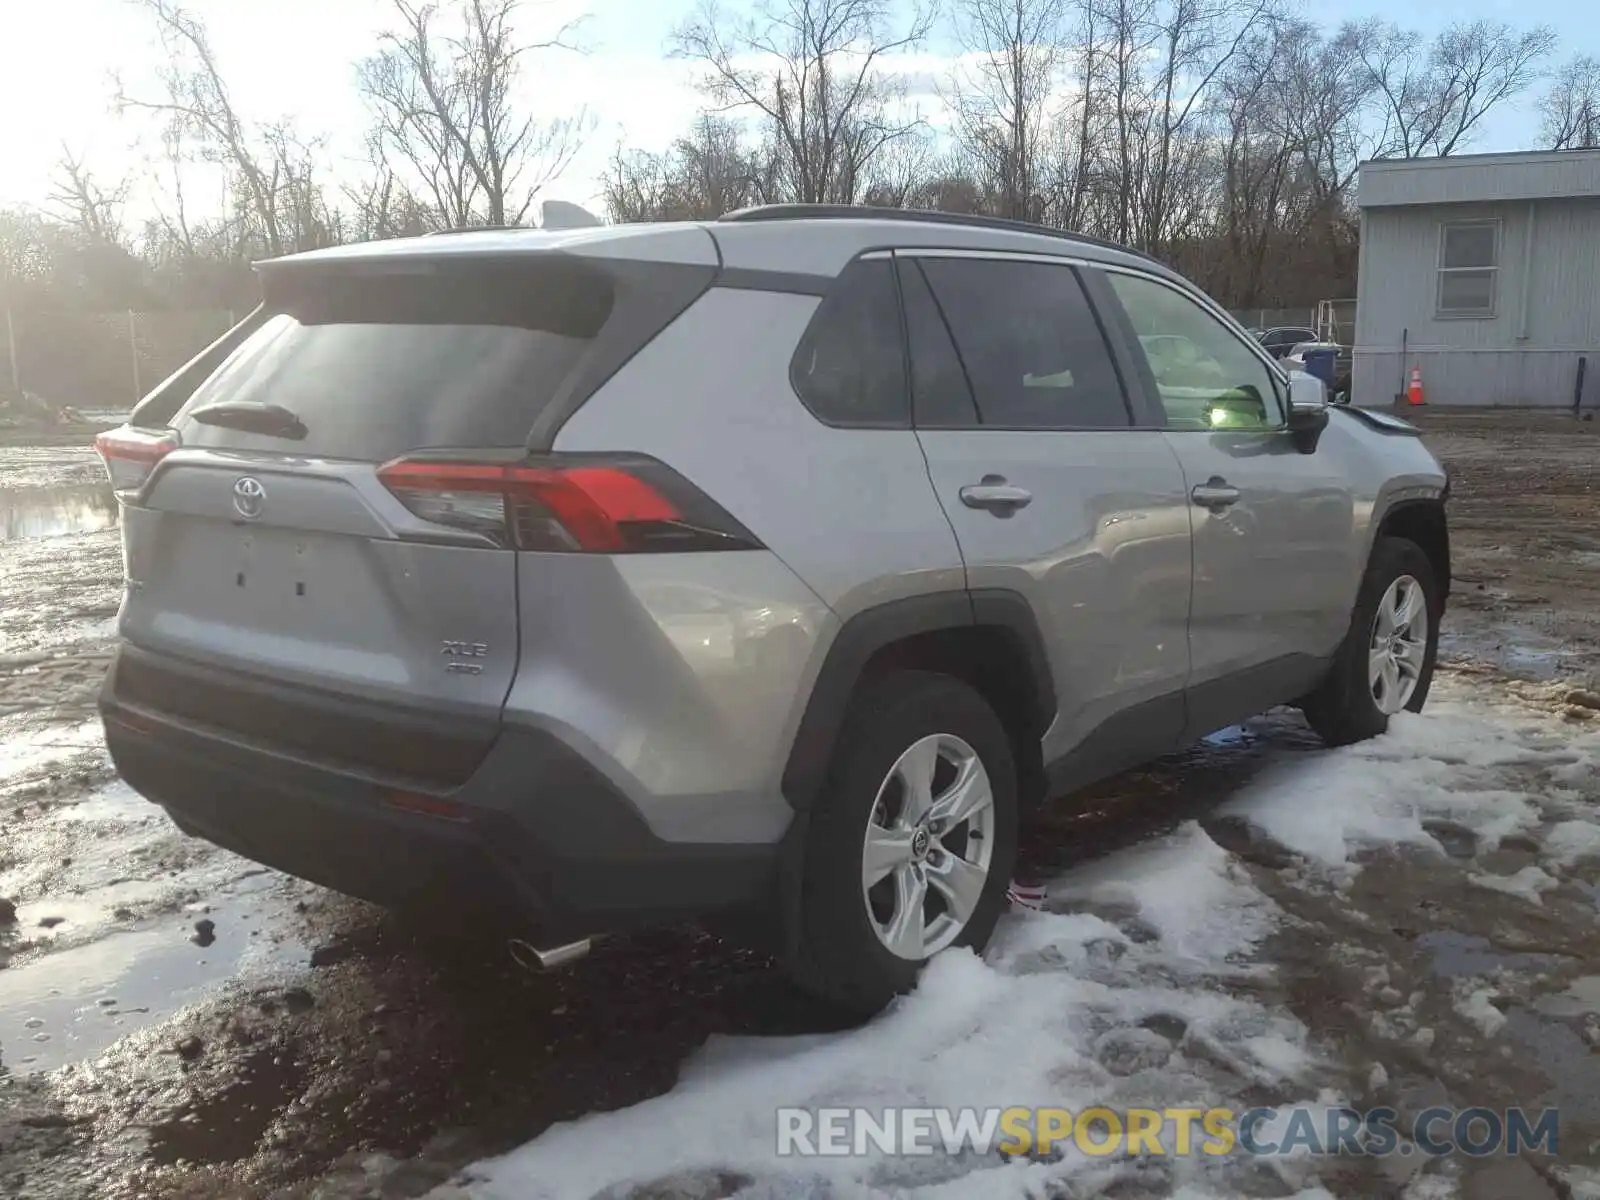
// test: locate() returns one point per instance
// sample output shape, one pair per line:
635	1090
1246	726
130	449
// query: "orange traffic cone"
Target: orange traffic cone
1414	392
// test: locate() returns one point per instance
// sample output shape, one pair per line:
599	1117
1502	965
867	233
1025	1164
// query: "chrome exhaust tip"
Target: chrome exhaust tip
531	958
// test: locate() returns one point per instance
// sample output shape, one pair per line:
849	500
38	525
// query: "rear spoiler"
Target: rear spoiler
162	402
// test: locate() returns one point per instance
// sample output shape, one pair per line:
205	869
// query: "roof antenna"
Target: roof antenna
559	214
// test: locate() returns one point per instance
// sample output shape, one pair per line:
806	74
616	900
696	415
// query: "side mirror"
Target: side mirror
1308	409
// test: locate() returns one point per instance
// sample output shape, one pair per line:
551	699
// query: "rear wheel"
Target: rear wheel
912	841
1385	664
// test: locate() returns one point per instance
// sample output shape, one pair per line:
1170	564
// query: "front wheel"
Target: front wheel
1385	664
912	841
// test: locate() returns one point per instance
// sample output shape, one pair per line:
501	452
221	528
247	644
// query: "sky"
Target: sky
295	58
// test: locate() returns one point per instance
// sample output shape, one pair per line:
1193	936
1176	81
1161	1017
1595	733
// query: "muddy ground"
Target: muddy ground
177	1022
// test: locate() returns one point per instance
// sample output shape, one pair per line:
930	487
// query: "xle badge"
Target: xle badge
459	656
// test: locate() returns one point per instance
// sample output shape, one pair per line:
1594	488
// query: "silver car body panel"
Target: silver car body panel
1101	554
851	511
323	588
684	677
666	243
676	676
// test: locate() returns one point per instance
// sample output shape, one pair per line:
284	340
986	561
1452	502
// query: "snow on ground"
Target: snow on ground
1447	764
1135	989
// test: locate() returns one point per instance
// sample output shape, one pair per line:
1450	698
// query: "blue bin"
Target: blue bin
1321	364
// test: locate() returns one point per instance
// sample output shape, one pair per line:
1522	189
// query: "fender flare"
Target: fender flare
870	631
1433	499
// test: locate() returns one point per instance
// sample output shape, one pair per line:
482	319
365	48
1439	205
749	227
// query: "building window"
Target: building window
1469	261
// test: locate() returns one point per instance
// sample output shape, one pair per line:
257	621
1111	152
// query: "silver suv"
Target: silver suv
770	568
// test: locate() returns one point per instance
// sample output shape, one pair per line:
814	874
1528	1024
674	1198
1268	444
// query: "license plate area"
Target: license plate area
274	576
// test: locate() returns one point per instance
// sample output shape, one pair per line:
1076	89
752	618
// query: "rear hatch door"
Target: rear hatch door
268	546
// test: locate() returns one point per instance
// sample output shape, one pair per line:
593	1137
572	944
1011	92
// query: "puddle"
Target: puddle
1517	652
76	1002
55	511
1564	1058
29	752
1455	955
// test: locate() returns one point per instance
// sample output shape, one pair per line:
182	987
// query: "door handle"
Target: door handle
1215	493
996	495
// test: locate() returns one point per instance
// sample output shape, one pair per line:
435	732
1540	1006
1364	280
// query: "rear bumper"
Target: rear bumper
535	838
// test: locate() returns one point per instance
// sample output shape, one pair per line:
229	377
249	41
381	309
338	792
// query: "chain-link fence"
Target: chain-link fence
1334	320
93	363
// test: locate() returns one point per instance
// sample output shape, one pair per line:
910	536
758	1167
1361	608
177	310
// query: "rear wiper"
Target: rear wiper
273	420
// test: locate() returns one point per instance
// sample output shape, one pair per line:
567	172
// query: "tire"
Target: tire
841	955
1346	707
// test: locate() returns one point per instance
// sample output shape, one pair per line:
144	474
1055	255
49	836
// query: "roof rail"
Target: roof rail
867	212
480	229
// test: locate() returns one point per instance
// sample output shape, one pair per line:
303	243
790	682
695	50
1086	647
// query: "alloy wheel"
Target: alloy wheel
929	842
1399	645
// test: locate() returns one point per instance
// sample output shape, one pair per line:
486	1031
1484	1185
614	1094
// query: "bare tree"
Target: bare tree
702	175
199	105
1198	40
95	212
1002	100
267	166
893	175
1434	97
444	107
1570	111
812	72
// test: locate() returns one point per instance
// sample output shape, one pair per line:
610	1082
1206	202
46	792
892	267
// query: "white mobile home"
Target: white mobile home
1484	271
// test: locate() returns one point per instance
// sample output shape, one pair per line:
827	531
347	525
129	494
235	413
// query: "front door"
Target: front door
1272	543
1054	493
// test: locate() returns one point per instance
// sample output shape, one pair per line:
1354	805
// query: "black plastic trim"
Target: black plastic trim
428	746
537	840
1168	723
1122	741
1218	703
1008	610
1443	566
874	629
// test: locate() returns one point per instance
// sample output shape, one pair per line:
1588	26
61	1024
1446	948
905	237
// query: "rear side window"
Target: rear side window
377	360
1030	344
850	366
940	394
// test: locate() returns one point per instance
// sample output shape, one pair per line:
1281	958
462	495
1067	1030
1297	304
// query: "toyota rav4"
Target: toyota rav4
769	568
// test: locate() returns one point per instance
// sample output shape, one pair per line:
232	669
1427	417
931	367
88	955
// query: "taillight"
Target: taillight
131	454
573	503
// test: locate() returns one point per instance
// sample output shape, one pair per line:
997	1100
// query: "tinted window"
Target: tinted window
1206	376
850	366
939	390
1030	344
379	359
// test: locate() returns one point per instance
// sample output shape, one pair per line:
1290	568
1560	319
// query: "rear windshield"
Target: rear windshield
376	363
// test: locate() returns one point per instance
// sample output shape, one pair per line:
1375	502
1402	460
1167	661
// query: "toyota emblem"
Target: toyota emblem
248	497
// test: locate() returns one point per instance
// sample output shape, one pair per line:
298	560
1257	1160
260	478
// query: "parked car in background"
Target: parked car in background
1281	339
768	568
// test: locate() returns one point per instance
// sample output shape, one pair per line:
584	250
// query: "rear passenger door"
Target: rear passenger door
1055	491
